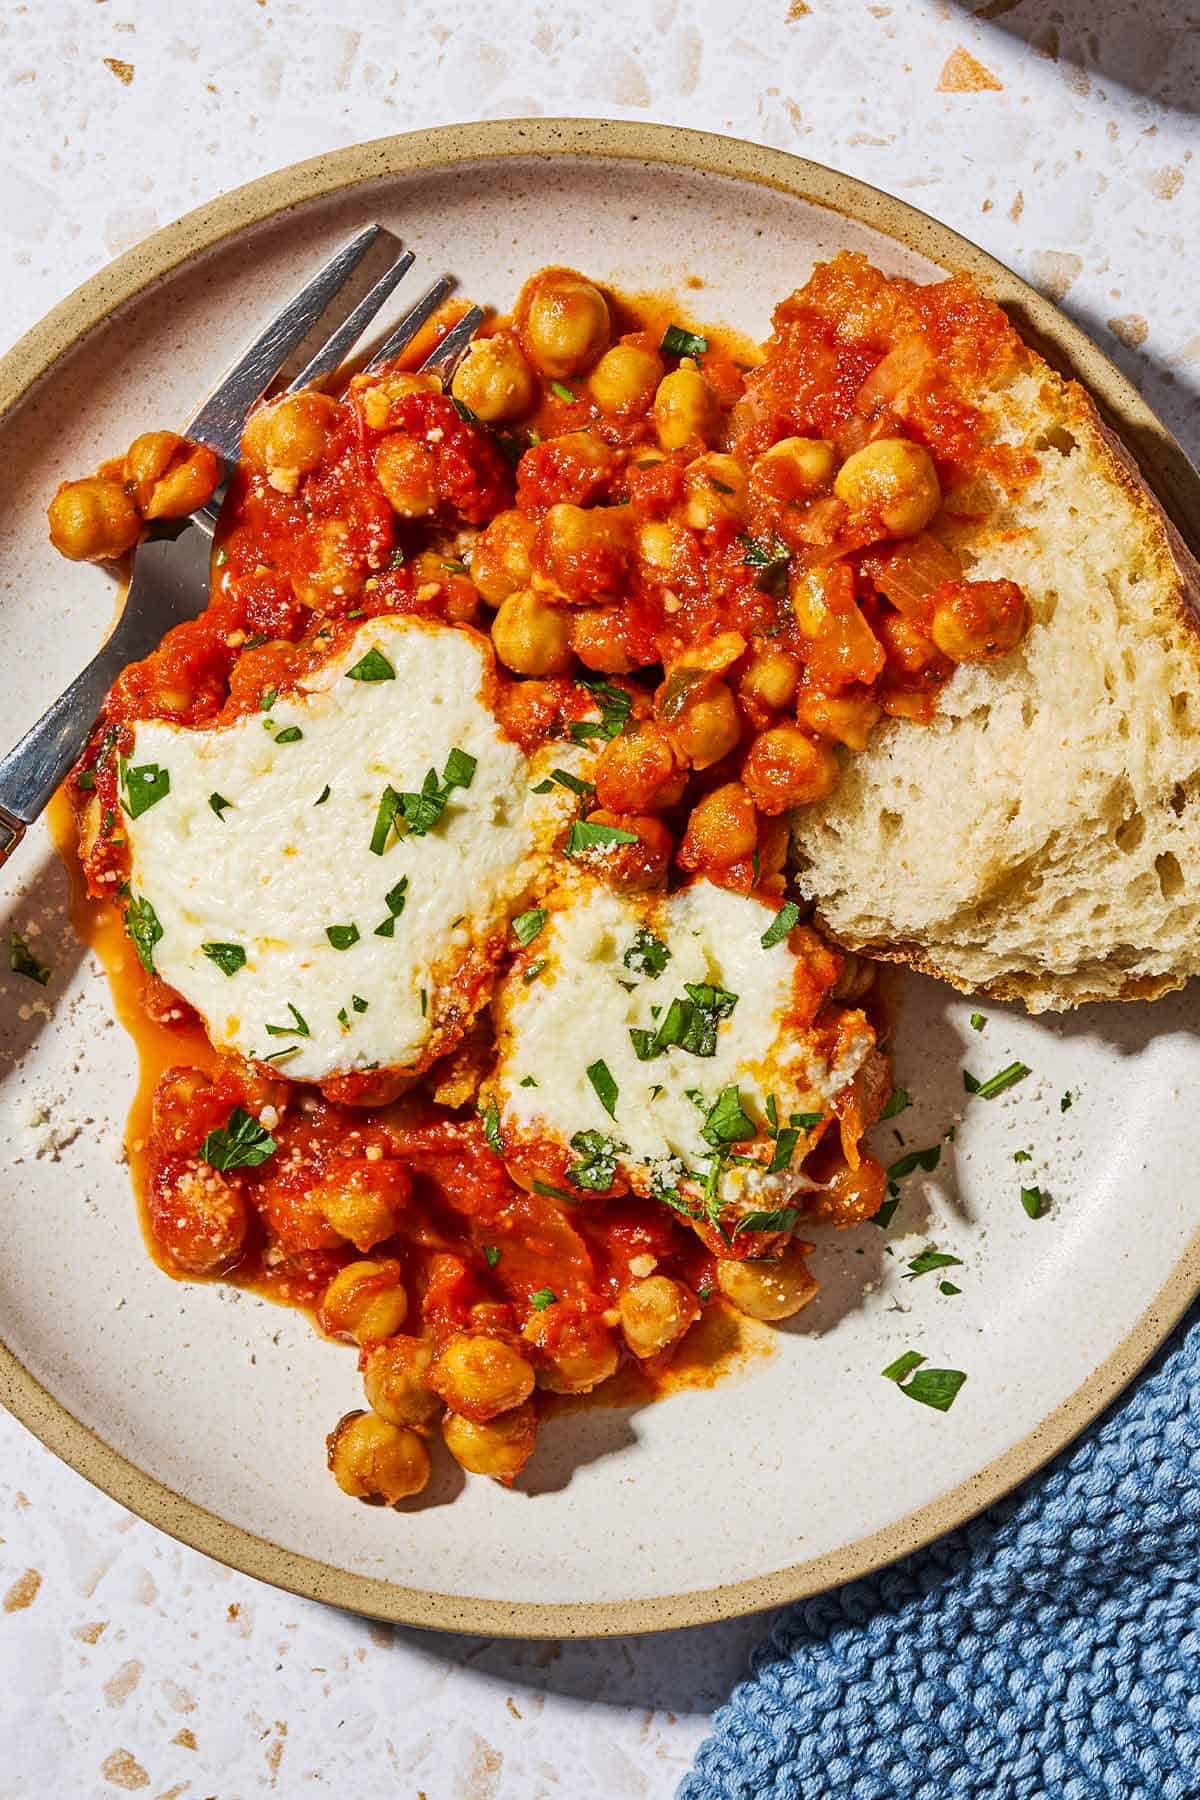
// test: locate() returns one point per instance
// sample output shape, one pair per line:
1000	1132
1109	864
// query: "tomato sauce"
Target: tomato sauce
754	553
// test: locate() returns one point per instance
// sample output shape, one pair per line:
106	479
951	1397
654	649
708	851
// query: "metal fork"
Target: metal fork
170	579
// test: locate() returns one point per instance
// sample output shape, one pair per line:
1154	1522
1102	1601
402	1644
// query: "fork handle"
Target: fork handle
33	769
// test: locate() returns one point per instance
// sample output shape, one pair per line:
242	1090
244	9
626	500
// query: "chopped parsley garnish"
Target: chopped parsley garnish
422	811
142	924
772	562
299	1029
615	706
690	1024
534	970
782	1219
948	1287
977	1021
22	961
931	1259
996	1084
241	1143
342	936
677	340
267	699
887	1210
598	1160
229	958
787	1136
424	1003
389	806
564	778
219	803
914	1159
526	925
222	557
374	666
491	1255
932	1387
394	900
528	1081
1034	1201
463	410
542	1299
898	1101
787	916
291	734
1022	1156
358	1003
561	391
1067	1101
278	1056
585	836
491	1127
323	796
554	1193
726	1122
647	955
142	787
343	1018
86	780
606	1088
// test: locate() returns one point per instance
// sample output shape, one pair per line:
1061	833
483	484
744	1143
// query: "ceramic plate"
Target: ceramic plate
205	1409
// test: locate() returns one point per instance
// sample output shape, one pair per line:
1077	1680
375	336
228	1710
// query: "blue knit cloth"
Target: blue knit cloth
1048	1651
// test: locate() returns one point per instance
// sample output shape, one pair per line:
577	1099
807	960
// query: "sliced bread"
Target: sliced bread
1039	840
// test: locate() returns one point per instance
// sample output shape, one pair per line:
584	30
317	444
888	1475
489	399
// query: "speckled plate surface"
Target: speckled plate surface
205	1410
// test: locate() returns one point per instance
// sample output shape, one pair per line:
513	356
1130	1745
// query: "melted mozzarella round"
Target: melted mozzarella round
582	1007
290	858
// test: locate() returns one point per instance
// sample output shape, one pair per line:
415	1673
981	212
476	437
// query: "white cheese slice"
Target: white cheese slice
279	865
580	1010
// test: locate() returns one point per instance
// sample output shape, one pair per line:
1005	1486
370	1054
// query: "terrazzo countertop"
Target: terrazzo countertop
1060	136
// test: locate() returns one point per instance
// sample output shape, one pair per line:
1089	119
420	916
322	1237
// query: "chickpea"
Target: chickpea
978	621
655	1313
774	842
769	1287
564	322
661	548
597	636
286	438
895	481
168	475
722	829
502	557
371	1459
583	551
795	468
846	718
500	1448
481	1376
334	570
199	1221
685	408
93	520
637	771
494	380
578	1368
771	678
624	380
365	1301
707	726
785	768
375	394
406	470
362	1200
714	488
396	1382
531	636
631	868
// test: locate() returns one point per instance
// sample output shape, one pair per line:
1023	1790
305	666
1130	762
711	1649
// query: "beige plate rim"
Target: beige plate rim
1177	485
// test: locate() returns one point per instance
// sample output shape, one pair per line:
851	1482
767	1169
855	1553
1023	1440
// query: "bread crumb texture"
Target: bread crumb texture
1040	840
